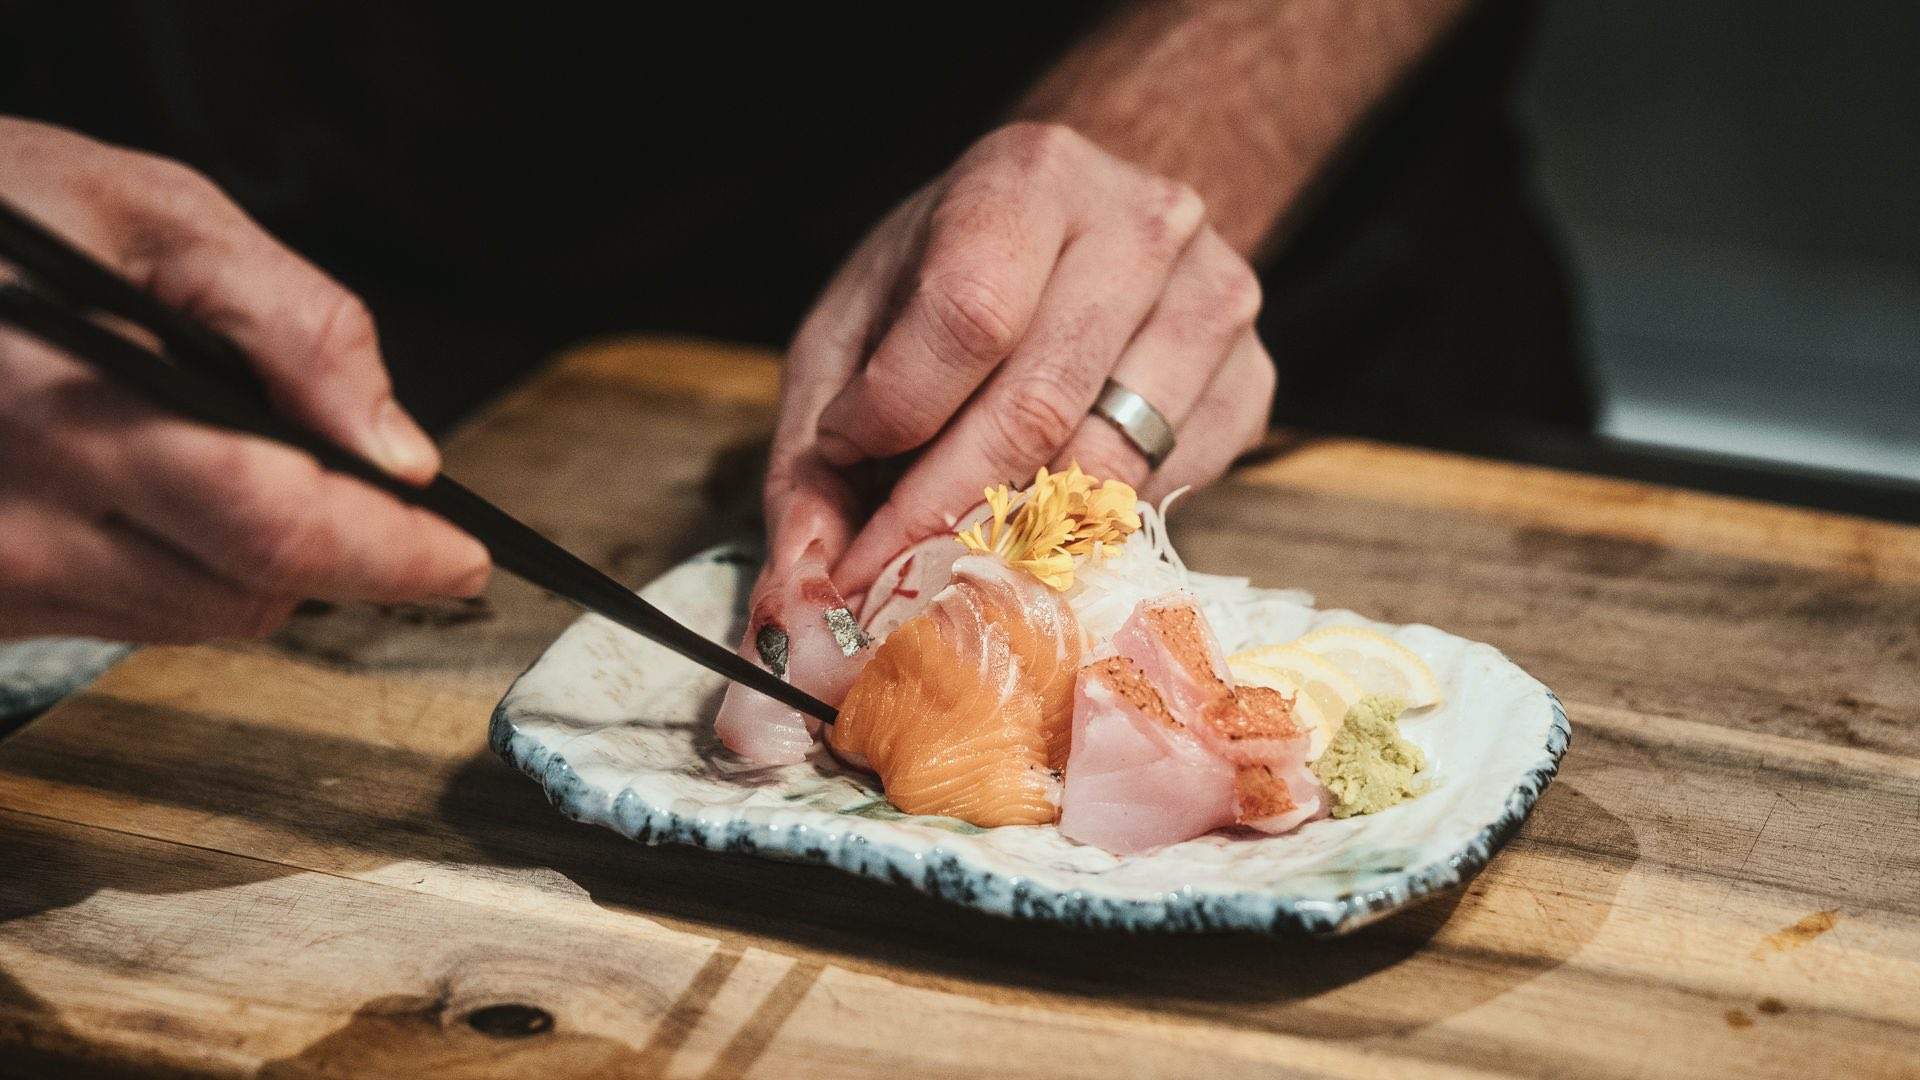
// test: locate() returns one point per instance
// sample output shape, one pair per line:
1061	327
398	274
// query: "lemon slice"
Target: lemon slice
1378	663
1320	679
1306	709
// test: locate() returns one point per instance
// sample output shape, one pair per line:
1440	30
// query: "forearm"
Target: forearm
1243	99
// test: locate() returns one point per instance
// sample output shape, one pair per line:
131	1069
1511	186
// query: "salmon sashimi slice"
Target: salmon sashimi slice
966	709
798	628
1137	779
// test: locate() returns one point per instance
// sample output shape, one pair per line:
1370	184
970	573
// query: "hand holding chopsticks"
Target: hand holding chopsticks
200	374
125	520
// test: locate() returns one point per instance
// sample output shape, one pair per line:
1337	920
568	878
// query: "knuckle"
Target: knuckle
280	546
1032	424
1259	406
160	208
100	179
972	318
341	328
168	177
1265	378
1254	399
1038	145
188	181
168	189
1237	294
1171	211
272	553
1253	358
896	419
288	554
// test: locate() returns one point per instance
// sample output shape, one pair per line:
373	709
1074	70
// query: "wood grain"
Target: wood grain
297	859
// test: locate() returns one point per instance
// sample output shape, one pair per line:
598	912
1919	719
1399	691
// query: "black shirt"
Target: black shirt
497	186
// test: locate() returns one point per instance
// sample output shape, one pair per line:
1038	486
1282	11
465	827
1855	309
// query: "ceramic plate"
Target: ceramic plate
618	731
38	672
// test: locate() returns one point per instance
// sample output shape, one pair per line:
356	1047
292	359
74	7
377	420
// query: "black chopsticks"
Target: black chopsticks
205	376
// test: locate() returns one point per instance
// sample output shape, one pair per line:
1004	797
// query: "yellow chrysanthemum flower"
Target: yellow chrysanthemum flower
1063	516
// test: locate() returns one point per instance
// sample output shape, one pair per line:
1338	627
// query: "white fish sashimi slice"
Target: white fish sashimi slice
761	729
1135	780
1170	743
909	584
1307	710
1274	790
1168	637
1306	801
798	628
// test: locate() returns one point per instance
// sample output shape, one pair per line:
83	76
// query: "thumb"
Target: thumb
807	502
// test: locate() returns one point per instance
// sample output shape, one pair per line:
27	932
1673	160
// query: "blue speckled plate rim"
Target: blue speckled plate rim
949	877
19	700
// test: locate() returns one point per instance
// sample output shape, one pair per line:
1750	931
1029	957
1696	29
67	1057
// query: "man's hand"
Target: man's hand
977	324
121	521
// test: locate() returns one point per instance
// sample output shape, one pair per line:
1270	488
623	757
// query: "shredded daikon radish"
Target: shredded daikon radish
1110	584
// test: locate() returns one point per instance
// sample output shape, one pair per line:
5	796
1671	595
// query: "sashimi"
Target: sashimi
909	584
965	709
1274	790
1136	778
798	628
1169	638
1163	708
1049	662
914	577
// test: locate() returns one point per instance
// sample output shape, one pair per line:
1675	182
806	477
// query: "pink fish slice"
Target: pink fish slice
799	629
1136	779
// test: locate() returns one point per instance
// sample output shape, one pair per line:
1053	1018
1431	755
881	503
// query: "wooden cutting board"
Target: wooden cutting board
299	859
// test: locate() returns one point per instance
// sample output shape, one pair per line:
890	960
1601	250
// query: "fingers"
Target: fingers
991	246
211	533
262	516
1038	267
312	341
1102	289
60	573
840	327
1206	312
804	499
1230	418
807	501
272	518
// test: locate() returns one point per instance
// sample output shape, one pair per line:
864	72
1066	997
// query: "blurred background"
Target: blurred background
1672	241
1735	185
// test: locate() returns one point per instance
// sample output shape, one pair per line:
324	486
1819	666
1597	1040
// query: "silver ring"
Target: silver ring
1138	420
